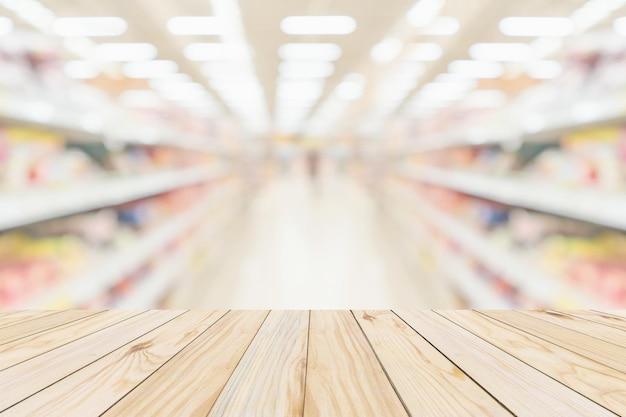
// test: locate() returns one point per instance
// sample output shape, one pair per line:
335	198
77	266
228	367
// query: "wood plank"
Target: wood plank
602	384
589	328
16	317
428	383
27	378
36	325
523	389
585	345
595	316
96	387
26	348
618	313
189	384
344	378
269	380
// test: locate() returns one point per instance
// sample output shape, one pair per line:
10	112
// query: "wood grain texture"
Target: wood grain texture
609	335
96	387
269	380
585	345
601	318
429	384
602	384
38	324
521	388
344	378
28	347
189	384
618	313
27	378
15	317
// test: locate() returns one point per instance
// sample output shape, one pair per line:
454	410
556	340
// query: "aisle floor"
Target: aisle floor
303	247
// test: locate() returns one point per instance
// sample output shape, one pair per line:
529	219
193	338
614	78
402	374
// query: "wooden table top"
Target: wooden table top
312	363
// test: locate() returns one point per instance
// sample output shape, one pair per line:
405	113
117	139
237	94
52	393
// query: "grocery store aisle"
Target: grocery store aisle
312	248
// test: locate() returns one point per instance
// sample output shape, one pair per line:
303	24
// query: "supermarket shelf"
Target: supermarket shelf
111	269
31	206
155	287
458	273
582	115
534	283
595	206
17	111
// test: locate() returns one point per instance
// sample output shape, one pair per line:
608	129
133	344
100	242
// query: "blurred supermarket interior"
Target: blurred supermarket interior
312	154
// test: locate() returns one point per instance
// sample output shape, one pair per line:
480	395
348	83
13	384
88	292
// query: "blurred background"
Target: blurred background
312	154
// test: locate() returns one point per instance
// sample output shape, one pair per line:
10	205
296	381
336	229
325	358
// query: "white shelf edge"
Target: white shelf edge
31	206
530	281
594	206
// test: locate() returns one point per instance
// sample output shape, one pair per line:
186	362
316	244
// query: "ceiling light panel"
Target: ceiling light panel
81	70
318	25
294	69
505	52
424	12
537	26
120	52
89	26
149	69
6	25
442	26
309	52
544	70
386	50
485	99
195	25
425	51
476	69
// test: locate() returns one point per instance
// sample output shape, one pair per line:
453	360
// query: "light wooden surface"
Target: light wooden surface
312	363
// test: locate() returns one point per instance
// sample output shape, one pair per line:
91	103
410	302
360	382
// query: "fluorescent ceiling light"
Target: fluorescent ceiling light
507	52
6	25
545	47
460	85
476	69
386	50
309	52
195	25
118	52
425	51
149	69
589	15
295	69
485	99
537	26
318	25
216	52
140	98
300	90
442	26
89	26
349	90
619	25
424	12
81	70
183	95
544	70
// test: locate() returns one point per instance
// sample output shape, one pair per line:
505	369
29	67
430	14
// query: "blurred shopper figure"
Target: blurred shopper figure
312	163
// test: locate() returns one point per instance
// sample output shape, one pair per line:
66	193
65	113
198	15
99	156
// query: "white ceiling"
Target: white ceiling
376	19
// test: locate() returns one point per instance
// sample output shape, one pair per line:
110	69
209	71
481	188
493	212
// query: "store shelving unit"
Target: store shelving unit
521	274
595	206
458	274
112	268
154	287
34	205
